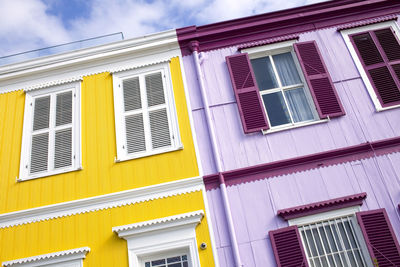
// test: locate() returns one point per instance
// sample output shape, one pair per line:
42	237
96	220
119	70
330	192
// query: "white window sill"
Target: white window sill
50	173
147	154
380	109
293	126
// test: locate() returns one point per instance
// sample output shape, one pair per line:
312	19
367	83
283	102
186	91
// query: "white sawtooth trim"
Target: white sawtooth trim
131	67
55	257
136	45
101	202
53	83
101	59
159	224
164	235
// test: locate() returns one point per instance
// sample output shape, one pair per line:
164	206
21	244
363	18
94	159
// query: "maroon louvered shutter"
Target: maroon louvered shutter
318	79
380	238
246	92
379	53
288	248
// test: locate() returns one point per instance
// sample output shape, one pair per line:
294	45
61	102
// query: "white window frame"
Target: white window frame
118	78
280	48
65	258
329	215
346	36
30	96
165	236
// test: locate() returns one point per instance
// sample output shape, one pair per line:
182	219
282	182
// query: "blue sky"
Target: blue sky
32	24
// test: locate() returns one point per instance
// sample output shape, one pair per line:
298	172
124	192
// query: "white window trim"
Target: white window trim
172	234
118	77
278	48
27	131
333	214
72	256
324	216
353	53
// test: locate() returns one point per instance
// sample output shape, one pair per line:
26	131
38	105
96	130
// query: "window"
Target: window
66	258
285	97
175	259
338	237
376	52
333	242
282	85
51	136
145	117
165	242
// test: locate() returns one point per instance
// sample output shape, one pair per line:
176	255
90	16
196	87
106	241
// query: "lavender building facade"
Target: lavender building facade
297	117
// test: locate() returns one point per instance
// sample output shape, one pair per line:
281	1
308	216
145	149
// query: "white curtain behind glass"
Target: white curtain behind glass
296	98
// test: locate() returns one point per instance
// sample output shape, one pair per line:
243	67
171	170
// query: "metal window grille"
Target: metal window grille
332	243
176	261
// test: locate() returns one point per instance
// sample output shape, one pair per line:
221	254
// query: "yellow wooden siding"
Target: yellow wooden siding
94	229
100	174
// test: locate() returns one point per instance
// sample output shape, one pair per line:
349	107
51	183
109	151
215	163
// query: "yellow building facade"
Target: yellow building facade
98	163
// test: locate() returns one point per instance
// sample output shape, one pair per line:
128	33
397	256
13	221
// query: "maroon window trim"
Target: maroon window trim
288	247
318	79
384	74
323	206
381	240
247	95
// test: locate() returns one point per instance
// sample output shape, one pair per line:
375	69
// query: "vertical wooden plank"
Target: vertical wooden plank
258	211
238	216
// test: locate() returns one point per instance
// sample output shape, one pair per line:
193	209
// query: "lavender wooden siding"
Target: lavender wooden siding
360	124
256	203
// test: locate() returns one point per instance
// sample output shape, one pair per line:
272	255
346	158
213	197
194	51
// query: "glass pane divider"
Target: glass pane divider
280	86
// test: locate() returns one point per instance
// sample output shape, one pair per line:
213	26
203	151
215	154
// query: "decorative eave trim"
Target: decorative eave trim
165	223
323	206
77	253
308	162
102	202
269	41
132	67
166	40
290	21
367	22
53	83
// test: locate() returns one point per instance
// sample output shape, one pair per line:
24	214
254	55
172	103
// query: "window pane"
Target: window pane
64	108
160	134
63	148
286	68
132	98
39	152
135	133
367	49
276	108
264	73
320	235
155	89
298	105
41	113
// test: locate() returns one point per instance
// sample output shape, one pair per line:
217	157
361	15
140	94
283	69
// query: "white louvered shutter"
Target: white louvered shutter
158	116
134	126
63	131
40	135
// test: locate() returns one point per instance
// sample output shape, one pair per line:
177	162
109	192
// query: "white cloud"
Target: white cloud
24	25
133	18
219	10
28	24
